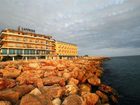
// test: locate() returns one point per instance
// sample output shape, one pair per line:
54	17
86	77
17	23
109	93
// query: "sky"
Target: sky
98	27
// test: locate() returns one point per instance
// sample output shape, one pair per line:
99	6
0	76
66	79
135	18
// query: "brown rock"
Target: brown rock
54	91
54	80
5	103
9	95
6	83
104	97
30	77
71	89
50	73
35	92
56	101
90	98
114	99
94	81
105	88
30	99
34	65
60	67
23	89
66	75
73	100
51	68
73	81
10	73
84	88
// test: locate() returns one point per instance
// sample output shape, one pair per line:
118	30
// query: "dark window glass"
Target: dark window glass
4	51
11	51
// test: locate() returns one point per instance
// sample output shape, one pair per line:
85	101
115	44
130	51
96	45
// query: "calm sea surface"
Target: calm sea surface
123	74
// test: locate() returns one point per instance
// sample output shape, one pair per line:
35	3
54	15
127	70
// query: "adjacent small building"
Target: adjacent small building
66	50
27	43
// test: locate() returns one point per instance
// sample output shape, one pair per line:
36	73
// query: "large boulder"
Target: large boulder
31	99
10	73
90	98
34	65
30	77
5	103
73	81
71	89
103	97
10	95
23	89
54	80
56	101
84	88
94	81
73	100
54	91
6	83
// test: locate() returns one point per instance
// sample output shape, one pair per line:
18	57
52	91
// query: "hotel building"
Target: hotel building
66	50
27	43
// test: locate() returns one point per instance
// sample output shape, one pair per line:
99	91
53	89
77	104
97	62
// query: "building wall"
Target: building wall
66	49
13	42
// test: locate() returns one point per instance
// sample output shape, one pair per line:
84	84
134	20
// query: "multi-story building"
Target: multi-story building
66	50
27	43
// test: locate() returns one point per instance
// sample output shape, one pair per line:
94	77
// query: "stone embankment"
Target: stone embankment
54	82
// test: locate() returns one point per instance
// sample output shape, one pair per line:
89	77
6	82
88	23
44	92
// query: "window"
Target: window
11	51
4	51
26	51
19	51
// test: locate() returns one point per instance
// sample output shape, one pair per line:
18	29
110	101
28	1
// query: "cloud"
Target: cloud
94	25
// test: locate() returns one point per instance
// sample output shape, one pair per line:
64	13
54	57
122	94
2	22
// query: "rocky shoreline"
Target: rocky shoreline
55	82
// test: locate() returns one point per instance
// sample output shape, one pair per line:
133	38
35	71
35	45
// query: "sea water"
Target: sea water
123	74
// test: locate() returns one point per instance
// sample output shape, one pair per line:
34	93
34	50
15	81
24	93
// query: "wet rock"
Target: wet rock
56	101
7	83
94	81
35	91
30	99
5	103
114	99
106	89
104	97
71	89
73	100
90	98
10	73
54	80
